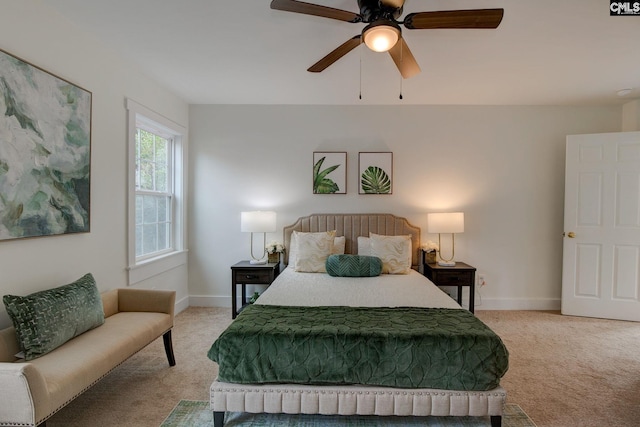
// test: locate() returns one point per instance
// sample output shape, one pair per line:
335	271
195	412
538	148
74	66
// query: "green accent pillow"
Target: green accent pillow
47	319
353	266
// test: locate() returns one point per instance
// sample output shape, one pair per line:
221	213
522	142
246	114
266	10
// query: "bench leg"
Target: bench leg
496	421
218	418
168	348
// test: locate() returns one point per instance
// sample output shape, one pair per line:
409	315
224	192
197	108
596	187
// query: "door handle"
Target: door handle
570	234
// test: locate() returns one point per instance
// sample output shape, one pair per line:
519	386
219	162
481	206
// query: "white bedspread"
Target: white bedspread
387	290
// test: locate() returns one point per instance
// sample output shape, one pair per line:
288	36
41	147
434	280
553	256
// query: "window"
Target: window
153	193
157	174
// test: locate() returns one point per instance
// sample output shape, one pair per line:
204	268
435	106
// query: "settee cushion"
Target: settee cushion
47	319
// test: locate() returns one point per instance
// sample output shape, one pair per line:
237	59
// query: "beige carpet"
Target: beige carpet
564	371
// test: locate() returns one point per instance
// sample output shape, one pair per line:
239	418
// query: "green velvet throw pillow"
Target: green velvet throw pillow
47	319
353	266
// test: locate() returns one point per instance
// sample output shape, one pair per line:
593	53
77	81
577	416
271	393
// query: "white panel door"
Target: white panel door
601	251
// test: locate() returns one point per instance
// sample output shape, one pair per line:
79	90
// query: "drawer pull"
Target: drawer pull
251	277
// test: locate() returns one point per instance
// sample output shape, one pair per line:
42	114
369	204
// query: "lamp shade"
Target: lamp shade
446	222
258	221
381	36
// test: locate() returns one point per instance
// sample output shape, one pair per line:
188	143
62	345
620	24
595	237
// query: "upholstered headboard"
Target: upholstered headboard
353	225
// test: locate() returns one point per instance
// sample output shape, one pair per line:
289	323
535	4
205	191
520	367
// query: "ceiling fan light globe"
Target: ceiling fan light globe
381	38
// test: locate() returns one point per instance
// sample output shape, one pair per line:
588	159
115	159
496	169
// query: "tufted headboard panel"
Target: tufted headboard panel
353	225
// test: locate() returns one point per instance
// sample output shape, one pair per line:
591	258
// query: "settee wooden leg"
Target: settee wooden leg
218	418
496	421
168	348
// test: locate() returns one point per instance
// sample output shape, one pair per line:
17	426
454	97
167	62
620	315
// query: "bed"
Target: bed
419	334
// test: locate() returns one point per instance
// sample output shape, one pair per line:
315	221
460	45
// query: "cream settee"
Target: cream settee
31	392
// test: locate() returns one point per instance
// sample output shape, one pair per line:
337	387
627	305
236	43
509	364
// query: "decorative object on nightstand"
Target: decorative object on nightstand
258	222
446	222
430	250
254	297
458	275
245	273
274	249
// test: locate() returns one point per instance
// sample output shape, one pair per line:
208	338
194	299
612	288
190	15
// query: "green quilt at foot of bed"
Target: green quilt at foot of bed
393	347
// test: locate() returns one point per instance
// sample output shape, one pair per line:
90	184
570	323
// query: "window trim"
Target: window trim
142	269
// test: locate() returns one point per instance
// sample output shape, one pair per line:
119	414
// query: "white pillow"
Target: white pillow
338	248
394	251
313	249
339	243
364	246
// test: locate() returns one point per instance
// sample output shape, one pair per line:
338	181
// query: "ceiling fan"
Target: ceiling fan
383	32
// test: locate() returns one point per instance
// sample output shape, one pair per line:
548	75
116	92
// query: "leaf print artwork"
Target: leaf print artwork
375	180
375	172
322	184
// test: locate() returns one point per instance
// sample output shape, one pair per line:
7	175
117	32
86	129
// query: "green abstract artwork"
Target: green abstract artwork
45	152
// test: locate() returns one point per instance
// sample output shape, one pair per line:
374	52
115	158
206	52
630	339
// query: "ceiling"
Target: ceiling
545	52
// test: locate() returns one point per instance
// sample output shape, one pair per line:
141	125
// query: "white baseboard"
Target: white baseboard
518	304
209	301
182	304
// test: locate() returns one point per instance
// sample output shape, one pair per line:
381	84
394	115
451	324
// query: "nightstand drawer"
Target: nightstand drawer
454	278
250	276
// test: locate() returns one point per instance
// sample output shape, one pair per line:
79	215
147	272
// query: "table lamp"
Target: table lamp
258	222
446	222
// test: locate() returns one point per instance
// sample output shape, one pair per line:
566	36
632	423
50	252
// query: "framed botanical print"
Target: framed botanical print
375	172
330	172
45	152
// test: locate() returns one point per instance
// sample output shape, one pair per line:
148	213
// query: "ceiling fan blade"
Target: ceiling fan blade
404	59
315	9
336	54
474	18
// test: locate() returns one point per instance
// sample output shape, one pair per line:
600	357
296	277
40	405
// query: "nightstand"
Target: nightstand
245	273
460	275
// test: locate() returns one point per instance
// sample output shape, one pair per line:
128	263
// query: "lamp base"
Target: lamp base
446	263
258	261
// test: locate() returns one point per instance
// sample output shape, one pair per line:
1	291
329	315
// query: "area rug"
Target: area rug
195	413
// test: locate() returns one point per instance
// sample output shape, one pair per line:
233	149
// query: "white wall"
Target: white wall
502	166
29	30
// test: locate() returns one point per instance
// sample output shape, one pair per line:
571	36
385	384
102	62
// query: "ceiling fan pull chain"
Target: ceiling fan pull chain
401	50
360	96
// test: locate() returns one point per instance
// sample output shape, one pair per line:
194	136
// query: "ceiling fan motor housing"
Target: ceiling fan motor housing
374	10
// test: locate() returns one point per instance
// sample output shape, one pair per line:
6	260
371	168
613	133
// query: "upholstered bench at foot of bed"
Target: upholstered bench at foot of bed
354	400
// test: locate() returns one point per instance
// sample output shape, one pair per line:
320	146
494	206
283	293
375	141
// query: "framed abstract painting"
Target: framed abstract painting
375	172
45	152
